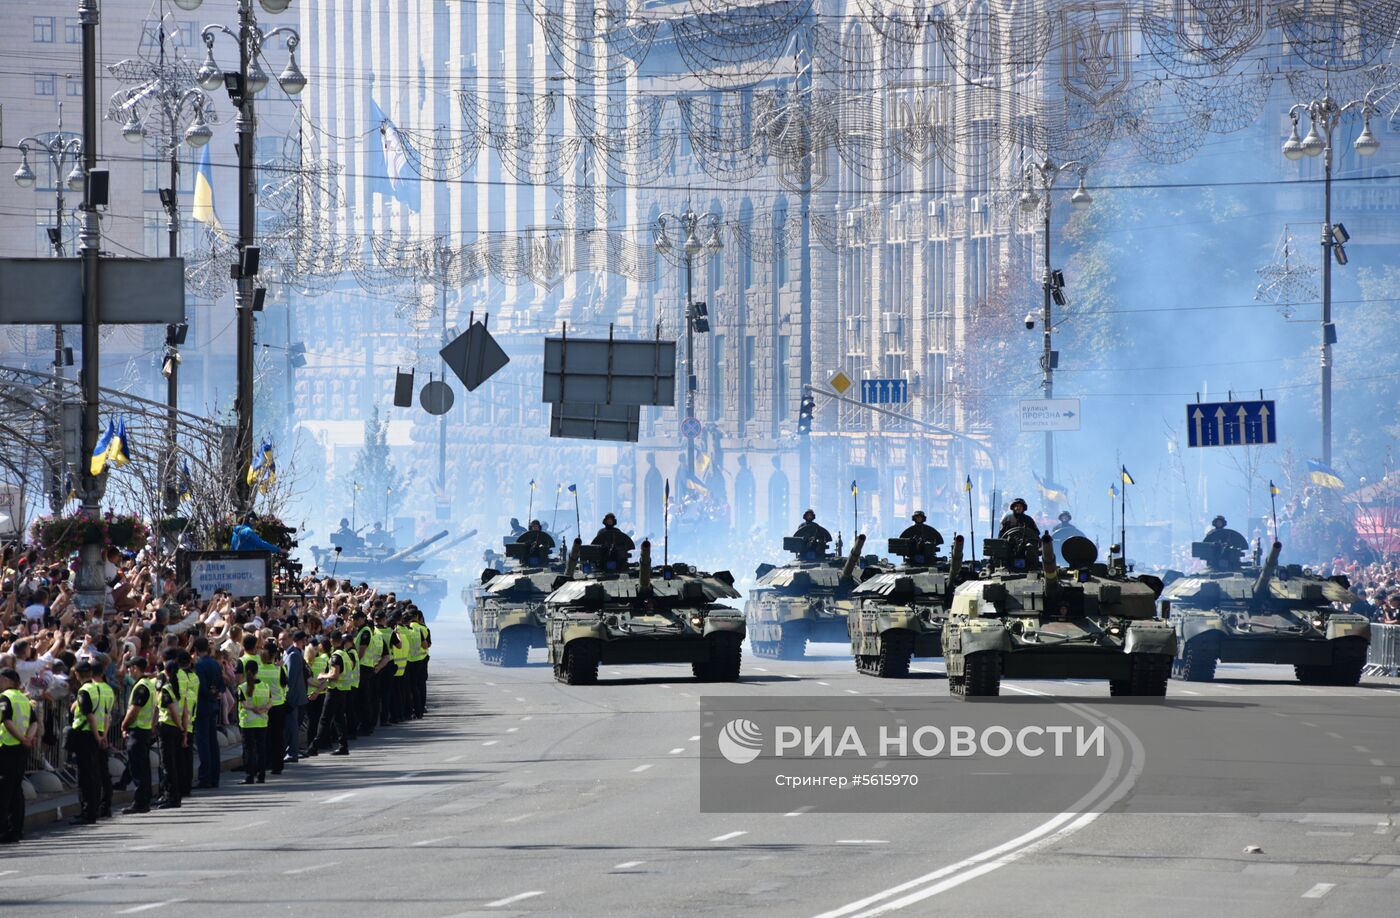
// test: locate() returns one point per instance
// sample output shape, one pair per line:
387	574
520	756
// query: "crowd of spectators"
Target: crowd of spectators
341	659
1376	585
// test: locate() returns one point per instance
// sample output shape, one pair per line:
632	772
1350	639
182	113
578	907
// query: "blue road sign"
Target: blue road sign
1231	424
884	391
690	428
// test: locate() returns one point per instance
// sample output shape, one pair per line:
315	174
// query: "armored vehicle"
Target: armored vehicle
1031	618
372	565
508	611
802	600
1264	613
898	614
617	612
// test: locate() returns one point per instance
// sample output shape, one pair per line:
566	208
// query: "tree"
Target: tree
380	484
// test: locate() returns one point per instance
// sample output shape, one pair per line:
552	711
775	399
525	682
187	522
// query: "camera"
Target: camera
1030	320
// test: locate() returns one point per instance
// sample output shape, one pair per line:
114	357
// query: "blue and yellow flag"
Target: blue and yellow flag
70	488
120	454
1273	488
967	485
203	209
1324	475
263	471
666	495
186	485
1113	490
854	489
573	489
1050	490
100	454
1127	479
532	484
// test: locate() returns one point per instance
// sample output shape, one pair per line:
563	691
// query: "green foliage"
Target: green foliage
380	484
60	536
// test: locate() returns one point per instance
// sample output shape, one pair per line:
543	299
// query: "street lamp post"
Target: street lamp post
161	102
63	150
242	87
691	225
1042	176
1326	114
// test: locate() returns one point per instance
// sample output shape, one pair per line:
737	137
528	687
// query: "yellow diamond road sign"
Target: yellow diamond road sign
840	382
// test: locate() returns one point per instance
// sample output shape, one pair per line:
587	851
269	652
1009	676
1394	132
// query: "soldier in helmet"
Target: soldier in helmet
346	538
538	542
1019	519
615	542
1217	531
1065	529
378	537
921	531
811	530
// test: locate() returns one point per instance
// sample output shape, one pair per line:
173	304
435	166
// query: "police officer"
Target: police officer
18	733
1019	519
189	700
811	530
107	698
138	726
921	531
385	671
367	646
254	698
336	680
271	671
399	649
418	661
86	738
317	664
171	716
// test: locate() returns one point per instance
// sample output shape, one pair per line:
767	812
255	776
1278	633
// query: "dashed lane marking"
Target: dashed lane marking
862	841
1360	748
143	847
1189	692
300	870
1319	890
695	739
828	684
519	699
339	797
800	810
641	768
628	865
760	669
491	742
851	691
510	900
521	818
1334	735
728	835
1379	763
251	825
677	751
527	717
148	906
512	729
455	758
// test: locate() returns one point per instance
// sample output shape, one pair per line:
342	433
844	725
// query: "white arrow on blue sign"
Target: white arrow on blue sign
884	391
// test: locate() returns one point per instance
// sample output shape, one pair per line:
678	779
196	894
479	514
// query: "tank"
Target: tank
803	600
1245	611
897	614
507	608
616	613
1029	617
373	565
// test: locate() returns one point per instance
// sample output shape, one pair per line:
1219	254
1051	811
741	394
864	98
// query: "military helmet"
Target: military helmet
919	516
809	515
1021	501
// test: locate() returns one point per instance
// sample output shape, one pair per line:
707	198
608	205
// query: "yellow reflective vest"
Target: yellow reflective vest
21	712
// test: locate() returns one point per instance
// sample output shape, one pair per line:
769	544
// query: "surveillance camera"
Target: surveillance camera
1030	320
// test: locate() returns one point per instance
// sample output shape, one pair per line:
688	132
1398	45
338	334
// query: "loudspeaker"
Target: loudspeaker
403	389
98	187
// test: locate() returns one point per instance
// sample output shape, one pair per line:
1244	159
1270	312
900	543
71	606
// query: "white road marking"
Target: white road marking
143	847
292	873
1360	748
695	739
1189	692
862	841
824	683
508	900
665	685
1379	763
521	818
148	906
339	797
851	691
512	729
1319	890
800	810
260	822
431	841
1125	765
455	758
641	768
727	836
1334	735
492	684
1339	834
760	669
527	717
1387	780
628	865
519	699
5	873
615	672
1308	723
491	742
678	750
686	695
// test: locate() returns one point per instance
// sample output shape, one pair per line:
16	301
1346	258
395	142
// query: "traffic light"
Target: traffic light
804	415
700	317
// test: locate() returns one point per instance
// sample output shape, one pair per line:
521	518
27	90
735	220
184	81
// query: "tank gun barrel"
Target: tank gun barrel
955	558
644	568
457	541
1261	586
849	568
400	555
1047	556
573	557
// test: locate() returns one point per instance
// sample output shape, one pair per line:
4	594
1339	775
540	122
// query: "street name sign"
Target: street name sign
1049	414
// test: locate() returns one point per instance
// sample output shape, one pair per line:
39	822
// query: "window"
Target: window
780	375
73	86
717	377
43	29
177	35
751	373
45	84
72	30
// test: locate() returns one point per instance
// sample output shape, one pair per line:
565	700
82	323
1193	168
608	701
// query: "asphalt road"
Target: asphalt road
518	795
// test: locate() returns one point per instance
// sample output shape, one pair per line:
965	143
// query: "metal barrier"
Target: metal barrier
1383	656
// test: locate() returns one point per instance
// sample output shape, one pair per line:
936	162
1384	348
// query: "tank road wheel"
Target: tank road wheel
896	650
1348	660
726	655
580	666
1199	658
981	674
793	643
1148	677
513	649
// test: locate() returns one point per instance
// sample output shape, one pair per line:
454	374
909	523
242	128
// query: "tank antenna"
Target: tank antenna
666	525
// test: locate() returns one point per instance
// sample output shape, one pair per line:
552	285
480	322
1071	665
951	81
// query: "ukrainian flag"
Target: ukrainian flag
118	453
1113	490
967	485
1127	479
203	210
1050	490
101	454
263	471
186	486
1324	475
1273	488
573	489
854	489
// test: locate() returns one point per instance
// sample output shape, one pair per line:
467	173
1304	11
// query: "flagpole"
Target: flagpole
971	526
578	519
554	517
1111	511
855	507
530	507
1273	507
666	526
1123	525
